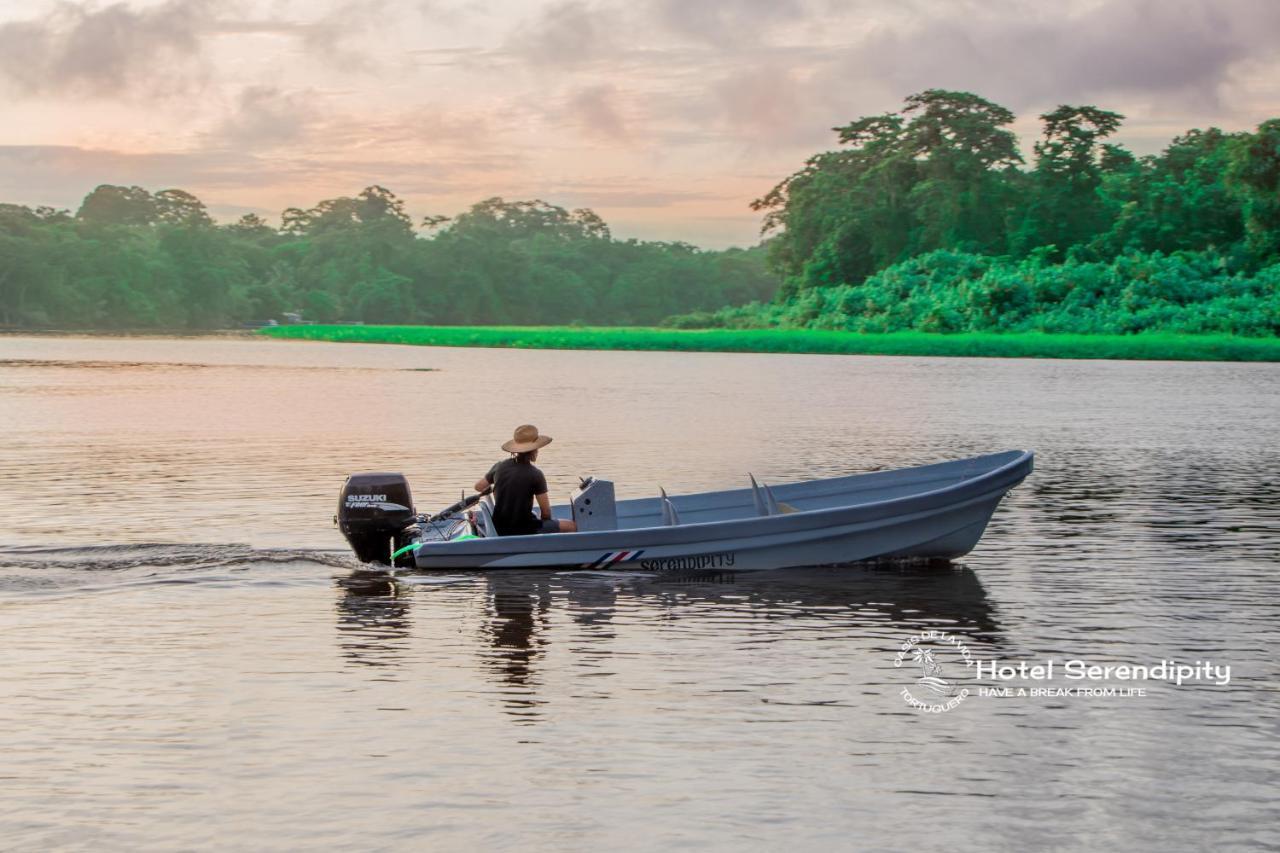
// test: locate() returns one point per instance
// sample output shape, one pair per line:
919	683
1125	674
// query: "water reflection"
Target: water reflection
1081	498
373	621
515	636
942	595
525	613
1148	532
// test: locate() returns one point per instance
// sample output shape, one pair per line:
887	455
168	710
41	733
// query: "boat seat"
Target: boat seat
766	503
669	515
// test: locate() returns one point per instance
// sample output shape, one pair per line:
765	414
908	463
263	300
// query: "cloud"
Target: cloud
328	36
267	117
780	73
592	108
613	197
567	33
733	24
103	51
61	175
1026	54
460	99
1179	58
82	49
769	105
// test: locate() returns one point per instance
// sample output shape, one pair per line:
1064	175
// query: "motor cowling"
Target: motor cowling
372	511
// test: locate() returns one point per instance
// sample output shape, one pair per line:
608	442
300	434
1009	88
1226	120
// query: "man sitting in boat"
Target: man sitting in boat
517	483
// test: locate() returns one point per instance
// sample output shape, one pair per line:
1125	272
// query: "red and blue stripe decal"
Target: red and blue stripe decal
612	558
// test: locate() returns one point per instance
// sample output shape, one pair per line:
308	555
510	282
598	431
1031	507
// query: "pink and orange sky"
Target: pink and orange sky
665	116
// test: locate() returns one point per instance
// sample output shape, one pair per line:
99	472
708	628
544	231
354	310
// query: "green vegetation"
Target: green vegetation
1013	345
924	220
947	291
129	259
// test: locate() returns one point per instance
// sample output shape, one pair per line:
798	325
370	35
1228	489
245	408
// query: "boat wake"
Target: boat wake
58	569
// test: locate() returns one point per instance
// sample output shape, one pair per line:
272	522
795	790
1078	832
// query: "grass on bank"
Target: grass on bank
1154	346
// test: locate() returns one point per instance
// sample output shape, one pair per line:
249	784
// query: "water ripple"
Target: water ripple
278	695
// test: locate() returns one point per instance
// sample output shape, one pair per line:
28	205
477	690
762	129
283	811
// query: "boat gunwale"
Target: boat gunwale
870	476
687	533
792	538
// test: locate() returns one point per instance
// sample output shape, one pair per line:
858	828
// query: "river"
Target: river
193	661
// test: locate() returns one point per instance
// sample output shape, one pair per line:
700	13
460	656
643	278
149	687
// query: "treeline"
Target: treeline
132	259
928	219
949	291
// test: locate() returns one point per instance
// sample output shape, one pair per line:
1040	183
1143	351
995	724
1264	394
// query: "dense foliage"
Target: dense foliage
948	291
925	220
132	259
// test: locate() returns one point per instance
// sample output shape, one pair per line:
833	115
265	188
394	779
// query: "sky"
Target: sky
666	117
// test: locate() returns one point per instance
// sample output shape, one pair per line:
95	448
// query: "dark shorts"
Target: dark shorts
538	525
550	525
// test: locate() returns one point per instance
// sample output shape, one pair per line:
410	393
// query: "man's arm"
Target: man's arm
544	505
482	484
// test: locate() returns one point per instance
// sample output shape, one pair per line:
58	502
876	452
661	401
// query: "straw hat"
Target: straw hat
526	438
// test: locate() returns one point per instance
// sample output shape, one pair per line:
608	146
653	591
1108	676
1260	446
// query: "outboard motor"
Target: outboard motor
372	511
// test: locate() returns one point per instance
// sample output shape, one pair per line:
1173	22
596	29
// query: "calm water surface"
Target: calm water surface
192	662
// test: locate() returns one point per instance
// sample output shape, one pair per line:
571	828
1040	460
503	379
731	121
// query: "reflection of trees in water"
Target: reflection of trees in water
1202	500
373	620
1216	503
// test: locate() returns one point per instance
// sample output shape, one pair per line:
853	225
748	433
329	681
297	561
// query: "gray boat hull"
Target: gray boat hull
929	512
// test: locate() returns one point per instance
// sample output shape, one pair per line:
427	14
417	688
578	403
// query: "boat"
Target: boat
929	512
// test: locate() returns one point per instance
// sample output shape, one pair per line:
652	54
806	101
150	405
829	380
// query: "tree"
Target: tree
25	275
295	221
177	207
322	305
381	298
1063	206
378	206
251	225
1254	175
112	205
589	224
1177	201
934	174
959	131
1070	147
527	218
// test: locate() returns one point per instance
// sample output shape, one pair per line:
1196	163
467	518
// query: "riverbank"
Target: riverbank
1159	347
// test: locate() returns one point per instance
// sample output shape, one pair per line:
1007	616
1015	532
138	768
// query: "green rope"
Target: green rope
415	546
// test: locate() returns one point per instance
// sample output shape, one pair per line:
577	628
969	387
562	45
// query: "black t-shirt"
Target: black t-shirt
515	484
